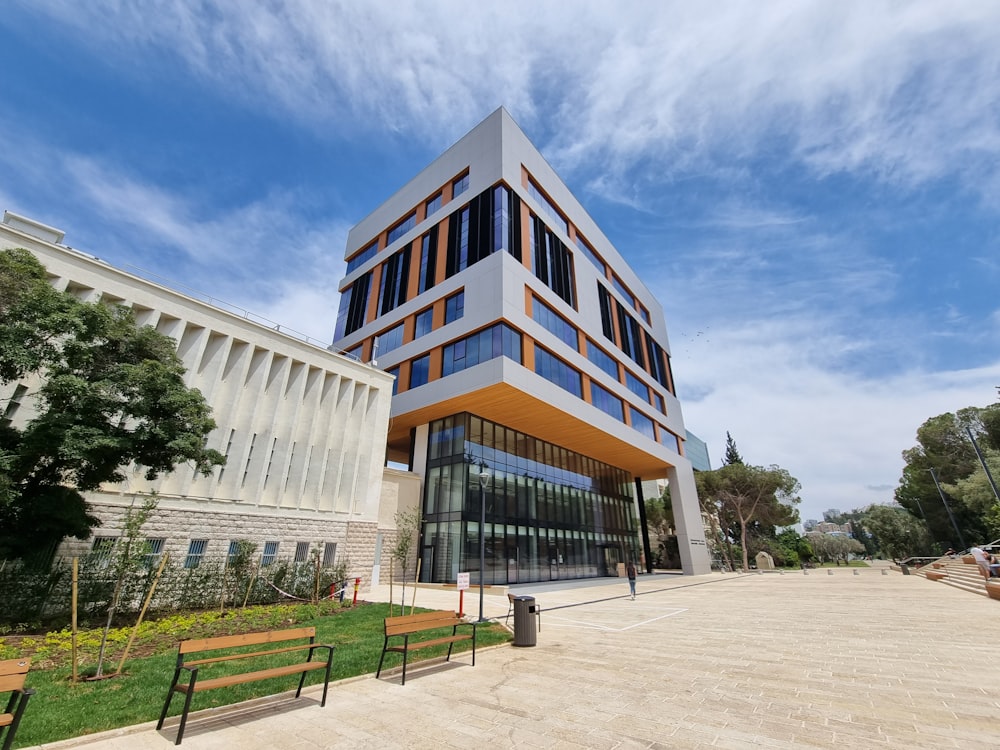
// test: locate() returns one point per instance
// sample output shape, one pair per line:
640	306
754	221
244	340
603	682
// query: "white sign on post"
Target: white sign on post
463	581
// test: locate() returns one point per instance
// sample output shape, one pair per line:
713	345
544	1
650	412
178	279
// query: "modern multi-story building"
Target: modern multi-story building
533	379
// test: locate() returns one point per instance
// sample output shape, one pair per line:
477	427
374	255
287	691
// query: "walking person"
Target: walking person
631	572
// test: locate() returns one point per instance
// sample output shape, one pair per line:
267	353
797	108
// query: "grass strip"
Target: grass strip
61	710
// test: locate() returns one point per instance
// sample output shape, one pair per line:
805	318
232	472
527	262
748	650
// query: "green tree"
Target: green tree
105	394
407	526
732	454
659	524
975	493
744	495
896	532
943	445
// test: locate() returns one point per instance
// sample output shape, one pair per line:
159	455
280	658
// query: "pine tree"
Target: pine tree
732	455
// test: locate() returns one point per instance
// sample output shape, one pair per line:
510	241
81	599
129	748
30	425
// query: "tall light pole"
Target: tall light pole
484	479
982	460
947	507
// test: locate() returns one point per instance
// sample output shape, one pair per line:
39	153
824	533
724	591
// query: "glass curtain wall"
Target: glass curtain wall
550	513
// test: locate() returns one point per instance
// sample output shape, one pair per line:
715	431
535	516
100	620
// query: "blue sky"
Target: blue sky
811	189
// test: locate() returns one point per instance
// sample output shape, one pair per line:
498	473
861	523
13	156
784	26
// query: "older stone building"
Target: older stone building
303	429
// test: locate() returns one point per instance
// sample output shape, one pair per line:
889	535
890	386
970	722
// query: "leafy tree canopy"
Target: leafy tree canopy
897	533
104	394
943	445
742	495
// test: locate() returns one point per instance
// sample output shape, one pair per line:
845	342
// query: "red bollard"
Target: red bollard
357	584
461	600
333	590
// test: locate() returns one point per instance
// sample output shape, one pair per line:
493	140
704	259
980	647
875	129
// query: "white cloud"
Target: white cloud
902	92
261	257
841	434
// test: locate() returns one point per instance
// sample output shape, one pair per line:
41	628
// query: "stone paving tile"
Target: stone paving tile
790	661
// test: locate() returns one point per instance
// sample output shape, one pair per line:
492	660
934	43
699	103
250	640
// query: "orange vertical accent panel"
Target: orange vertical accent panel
403	378
585	384
413	282
409	327
437	317
528	297
529	352
434	365
372	312
526	249
442	249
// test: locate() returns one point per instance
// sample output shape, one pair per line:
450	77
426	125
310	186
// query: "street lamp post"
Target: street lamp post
484	479
947	507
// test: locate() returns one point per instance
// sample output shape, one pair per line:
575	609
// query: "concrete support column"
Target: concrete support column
695	559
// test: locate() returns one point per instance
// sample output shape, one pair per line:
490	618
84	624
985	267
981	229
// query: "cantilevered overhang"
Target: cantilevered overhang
545	412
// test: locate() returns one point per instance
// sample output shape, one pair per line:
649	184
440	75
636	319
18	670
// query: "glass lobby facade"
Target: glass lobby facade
550	513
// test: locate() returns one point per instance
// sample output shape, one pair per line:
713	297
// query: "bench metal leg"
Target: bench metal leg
384	647
170	697
187	707
326	679
406	652
18	713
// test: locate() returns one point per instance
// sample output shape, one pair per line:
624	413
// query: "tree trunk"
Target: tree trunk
743	542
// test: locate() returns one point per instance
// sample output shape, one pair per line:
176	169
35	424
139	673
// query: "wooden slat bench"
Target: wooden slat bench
13	673
196	683
408	625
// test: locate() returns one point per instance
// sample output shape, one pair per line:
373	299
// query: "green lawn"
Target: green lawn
61	709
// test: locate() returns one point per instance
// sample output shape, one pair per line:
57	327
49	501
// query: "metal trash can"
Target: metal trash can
525	627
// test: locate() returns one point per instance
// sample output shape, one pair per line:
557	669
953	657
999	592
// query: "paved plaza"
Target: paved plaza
716	661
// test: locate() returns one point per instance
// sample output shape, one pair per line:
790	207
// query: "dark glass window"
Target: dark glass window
657	361
460	185
589	254
353	306
270	554
428	260
637	387
395	272
553	322
660	403
602	359
424	323
394	371
606	401
490	222
556	371
547	206
363	257
433	204
420	370
607	317
402	228
631	335
552	262
196	552
495	341
642	423
454	307
622	290
550	513
391	339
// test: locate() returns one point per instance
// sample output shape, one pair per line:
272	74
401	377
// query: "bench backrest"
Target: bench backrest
423	621
194	645
13	673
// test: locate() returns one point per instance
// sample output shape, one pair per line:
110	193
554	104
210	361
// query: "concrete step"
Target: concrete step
956	574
